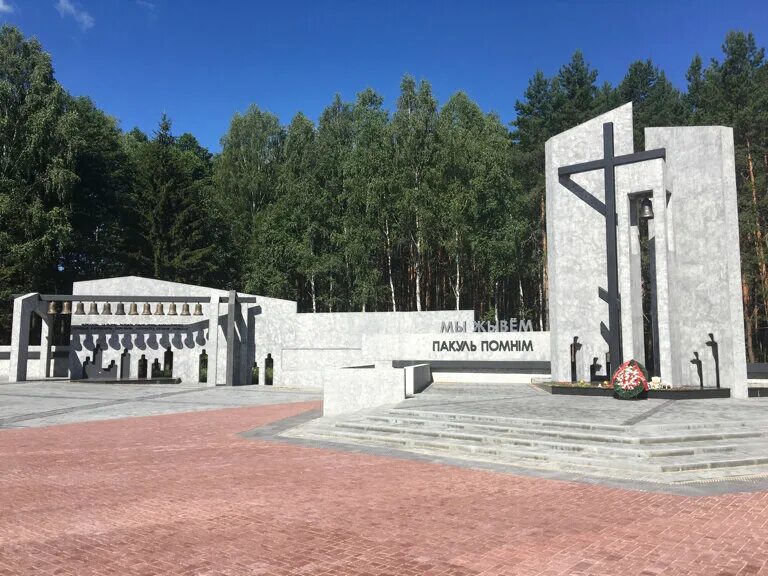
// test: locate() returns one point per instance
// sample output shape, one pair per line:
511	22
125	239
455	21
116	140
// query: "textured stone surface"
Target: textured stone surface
576	243
703	254
417	378
354	389
304	345
184	494
693	249
23	307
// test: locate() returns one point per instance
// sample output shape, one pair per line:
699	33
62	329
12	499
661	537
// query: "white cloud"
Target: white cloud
66	8
5	8
142	3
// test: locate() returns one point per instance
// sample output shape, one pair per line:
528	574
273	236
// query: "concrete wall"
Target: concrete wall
488	347
304	346
354	389
58	363
576	254
704	263
417	378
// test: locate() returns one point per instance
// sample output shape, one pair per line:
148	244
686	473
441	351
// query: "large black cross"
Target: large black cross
611	333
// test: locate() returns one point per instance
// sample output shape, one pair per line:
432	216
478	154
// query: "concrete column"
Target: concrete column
232	343
45	346
213	340
23	307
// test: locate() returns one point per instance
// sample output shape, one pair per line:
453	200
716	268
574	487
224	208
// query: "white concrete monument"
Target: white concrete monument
602	196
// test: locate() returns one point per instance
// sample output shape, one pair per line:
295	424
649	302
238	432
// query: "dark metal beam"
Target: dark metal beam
129	298
658	153
614	310
121	298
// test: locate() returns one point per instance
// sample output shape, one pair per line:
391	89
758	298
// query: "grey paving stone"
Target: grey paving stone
28	404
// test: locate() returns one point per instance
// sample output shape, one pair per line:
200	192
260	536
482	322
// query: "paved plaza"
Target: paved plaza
187	492
27	404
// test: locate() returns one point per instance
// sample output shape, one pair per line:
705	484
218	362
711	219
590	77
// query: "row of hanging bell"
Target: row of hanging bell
66	308
132	311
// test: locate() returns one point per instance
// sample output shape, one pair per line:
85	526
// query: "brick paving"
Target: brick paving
185	494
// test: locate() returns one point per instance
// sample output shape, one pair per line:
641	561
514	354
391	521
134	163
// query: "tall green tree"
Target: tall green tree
334	143
370	219
36	169
175	228
414	128
245	176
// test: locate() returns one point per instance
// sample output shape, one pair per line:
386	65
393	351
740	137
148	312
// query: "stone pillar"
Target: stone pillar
23	307
213	340
663	261
233	310
45	346
703	258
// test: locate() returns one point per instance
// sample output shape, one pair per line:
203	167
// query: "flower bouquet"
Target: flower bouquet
630	380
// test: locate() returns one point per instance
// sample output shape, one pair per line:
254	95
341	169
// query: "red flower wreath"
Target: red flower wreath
630	379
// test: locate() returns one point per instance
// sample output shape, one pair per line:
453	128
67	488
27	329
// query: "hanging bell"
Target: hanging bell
172	309
80	309
52	308
185	309
107	309
120	309
198	309
66	307
93	309
146	311
133	310
646	209
159	309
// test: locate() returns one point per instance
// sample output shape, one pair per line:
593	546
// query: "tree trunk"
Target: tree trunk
389	265
312	292
457	287
748	320
417	264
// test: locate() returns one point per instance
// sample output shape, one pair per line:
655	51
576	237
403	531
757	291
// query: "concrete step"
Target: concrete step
622	436
704	427
575	443
679	452
506	420
560	460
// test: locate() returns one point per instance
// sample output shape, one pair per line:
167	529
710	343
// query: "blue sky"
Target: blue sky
202	61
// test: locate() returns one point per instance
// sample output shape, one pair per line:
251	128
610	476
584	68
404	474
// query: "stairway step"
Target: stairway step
506	420
471	432
520	456
757	426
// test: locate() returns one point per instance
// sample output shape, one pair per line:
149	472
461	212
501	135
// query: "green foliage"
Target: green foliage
175	229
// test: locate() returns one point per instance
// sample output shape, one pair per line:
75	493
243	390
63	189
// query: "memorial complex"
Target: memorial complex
599	192
378	290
